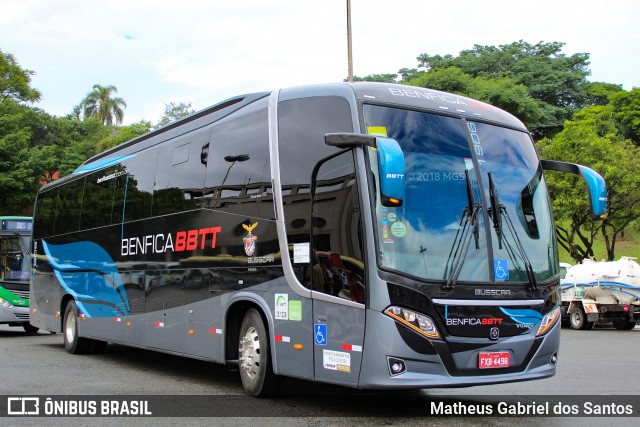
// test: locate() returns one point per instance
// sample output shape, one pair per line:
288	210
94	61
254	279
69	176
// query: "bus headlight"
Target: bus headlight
548	321
420	323
5	304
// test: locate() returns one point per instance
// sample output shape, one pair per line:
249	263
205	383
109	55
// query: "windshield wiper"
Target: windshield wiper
496	212
462	240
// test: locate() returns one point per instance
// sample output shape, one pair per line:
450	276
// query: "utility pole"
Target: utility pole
349	50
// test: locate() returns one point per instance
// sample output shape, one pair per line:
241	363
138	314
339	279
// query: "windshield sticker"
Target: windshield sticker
282	306
501	269
377	130
398	229
301	253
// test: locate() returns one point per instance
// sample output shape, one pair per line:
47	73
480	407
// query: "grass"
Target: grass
629	246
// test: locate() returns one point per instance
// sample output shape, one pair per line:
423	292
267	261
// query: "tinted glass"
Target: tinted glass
69	207
98	198
138	184
180	175
337	262
301	128
238	167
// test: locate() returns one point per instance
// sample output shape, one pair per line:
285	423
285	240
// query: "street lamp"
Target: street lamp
349	50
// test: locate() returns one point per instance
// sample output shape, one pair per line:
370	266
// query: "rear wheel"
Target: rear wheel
256	370
72	342
578	319
624	325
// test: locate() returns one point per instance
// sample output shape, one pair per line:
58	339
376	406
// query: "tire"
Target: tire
254	357
72	342
29	328
578	319
624	325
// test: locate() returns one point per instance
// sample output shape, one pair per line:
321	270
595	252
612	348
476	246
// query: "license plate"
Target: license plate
500	359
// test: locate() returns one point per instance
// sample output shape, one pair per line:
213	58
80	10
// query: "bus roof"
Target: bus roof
369	92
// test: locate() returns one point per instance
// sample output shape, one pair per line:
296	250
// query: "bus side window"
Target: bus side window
338	267
301	127
44	213
69	207
180	175
238	167
98	198
136	186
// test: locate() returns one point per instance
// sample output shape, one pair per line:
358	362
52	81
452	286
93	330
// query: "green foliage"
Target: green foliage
173	112
382	78
501	92
15	82
100	104
626	106
592	139
554	80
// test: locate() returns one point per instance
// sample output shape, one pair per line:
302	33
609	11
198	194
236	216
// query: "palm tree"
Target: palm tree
99	104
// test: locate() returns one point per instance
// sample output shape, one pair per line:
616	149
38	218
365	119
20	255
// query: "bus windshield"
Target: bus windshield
476	207
15	259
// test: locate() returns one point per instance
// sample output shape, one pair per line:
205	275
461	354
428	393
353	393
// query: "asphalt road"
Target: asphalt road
596	362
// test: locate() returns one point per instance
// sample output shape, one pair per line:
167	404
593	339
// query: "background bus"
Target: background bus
15	265
369	235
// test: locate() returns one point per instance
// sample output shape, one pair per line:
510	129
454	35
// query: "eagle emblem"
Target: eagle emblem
250	240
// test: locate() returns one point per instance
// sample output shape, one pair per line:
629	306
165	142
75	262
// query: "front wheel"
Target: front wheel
256	371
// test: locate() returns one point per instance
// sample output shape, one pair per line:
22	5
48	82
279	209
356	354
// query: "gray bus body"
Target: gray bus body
237	235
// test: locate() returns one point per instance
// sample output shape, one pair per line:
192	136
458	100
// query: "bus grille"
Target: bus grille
22	316
21	294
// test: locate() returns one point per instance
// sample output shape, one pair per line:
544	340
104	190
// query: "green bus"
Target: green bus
15	262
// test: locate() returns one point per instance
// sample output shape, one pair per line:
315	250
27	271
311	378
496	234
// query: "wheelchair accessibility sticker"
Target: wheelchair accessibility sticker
501	269
320	333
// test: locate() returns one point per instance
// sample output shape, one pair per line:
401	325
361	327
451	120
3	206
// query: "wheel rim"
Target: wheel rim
250	353
70	327
576	317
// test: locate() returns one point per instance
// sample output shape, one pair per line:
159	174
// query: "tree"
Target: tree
556	81
626	106
593	139
100	104
173	112
501	92
15	82
382	78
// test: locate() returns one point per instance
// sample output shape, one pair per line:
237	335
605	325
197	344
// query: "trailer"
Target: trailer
602	293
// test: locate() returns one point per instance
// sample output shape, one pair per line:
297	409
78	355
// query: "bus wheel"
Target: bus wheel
578	319
256	371
72	342
30	329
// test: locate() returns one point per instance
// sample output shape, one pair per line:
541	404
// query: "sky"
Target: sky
204	51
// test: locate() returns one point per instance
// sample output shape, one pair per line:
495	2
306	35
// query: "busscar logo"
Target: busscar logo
250	240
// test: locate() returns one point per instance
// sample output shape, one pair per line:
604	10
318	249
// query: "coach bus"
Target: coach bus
370	235
15	265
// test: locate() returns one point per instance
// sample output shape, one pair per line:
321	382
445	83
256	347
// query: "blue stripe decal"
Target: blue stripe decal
99	164
87	272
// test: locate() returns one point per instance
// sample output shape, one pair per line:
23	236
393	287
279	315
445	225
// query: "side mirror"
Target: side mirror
390	162
391	166
595	184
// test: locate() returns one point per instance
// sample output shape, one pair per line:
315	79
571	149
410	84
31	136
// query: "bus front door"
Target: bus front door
337	271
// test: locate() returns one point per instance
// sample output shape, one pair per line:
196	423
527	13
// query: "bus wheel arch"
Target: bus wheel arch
249	341
73	343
